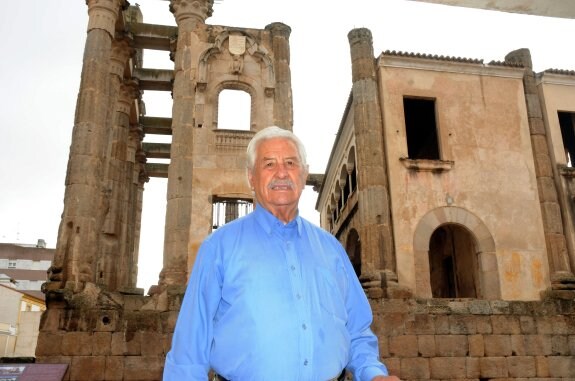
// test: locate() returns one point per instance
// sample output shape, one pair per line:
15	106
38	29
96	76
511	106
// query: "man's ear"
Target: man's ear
250	179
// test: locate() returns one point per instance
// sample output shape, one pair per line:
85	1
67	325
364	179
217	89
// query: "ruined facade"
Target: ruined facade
97	320
449	185
501	322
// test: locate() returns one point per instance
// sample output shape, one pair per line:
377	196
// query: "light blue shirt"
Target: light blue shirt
273	301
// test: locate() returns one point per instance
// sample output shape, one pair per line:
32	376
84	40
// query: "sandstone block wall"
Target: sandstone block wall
439	339
420	339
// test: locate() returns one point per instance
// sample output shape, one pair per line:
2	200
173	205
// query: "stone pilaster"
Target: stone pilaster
78	245
190	17
557	254
283	107
373	194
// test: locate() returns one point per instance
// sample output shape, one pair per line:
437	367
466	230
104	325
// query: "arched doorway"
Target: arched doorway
466	224
453	263
353	249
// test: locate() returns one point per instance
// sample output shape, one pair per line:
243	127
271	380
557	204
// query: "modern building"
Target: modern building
23	270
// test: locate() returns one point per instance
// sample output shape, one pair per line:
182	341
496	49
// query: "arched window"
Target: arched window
353	250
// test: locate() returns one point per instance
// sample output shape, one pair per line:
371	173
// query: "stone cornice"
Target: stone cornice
448	64
556	77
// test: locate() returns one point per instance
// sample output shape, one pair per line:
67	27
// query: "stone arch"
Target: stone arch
233	85
252	48
488	275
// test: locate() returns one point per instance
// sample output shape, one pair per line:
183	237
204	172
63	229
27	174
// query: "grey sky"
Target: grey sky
42	45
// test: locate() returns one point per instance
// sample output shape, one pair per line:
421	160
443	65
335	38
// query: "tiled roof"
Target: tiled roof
560	71
432	57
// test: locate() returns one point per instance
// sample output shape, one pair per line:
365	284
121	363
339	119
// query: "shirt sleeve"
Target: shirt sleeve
364	360
189	356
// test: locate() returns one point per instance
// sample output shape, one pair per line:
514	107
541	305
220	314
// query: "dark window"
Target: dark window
421	128
566	122
225	210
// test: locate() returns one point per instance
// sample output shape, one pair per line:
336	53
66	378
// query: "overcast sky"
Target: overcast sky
42	45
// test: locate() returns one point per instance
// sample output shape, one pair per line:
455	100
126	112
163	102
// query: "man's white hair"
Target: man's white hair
271	133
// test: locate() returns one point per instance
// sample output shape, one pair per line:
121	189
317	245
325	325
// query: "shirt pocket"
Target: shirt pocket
330	294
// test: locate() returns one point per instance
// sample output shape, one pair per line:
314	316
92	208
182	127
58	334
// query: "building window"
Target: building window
421	128
11	263
234	109
225	210
567	124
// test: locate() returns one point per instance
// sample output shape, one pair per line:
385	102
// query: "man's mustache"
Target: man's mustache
281	183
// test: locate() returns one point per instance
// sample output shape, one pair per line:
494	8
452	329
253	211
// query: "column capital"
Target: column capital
121	52
103	14
185	9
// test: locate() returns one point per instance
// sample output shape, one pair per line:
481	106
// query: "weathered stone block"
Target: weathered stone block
88	368
518	345
527	325
476	346
448	368
143	368
473	370
152	344
101	345
451	345
505	324
415	368
462	324
426	345
114	368
403	346
521	366
442	325
559	345
49	344
542	366
562	366
421	325
483	325
538	345
77	344
497	345
493	367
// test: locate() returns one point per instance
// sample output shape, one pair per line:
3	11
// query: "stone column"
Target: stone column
190	17
77	245
283	107
557	254
373	194
112	260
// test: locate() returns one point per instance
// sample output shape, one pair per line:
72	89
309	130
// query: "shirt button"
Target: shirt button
305	362
304	326
298	296
292	268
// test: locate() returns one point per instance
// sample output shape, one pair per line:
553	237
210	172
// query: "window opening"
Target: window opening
234	109
225	210
11	263
421	128
567	124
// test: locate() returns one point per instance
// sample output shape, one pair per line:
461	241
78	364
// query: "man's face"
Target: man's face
278	177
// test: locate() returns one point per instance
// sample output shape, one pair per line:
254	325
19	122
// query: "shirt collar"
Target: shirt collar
269	222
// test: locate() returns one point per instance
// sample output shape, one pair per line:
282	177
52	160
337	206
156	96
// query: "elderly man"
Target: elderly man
272	296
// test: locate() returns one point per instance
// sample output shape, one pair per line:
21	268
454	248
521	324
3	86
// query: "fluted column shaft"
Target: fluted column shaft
190	17
77	245
283	107
373	193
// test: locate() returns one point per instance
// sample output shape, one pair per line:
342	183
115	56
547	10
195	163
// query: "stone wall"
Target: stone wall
457	339
126	337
